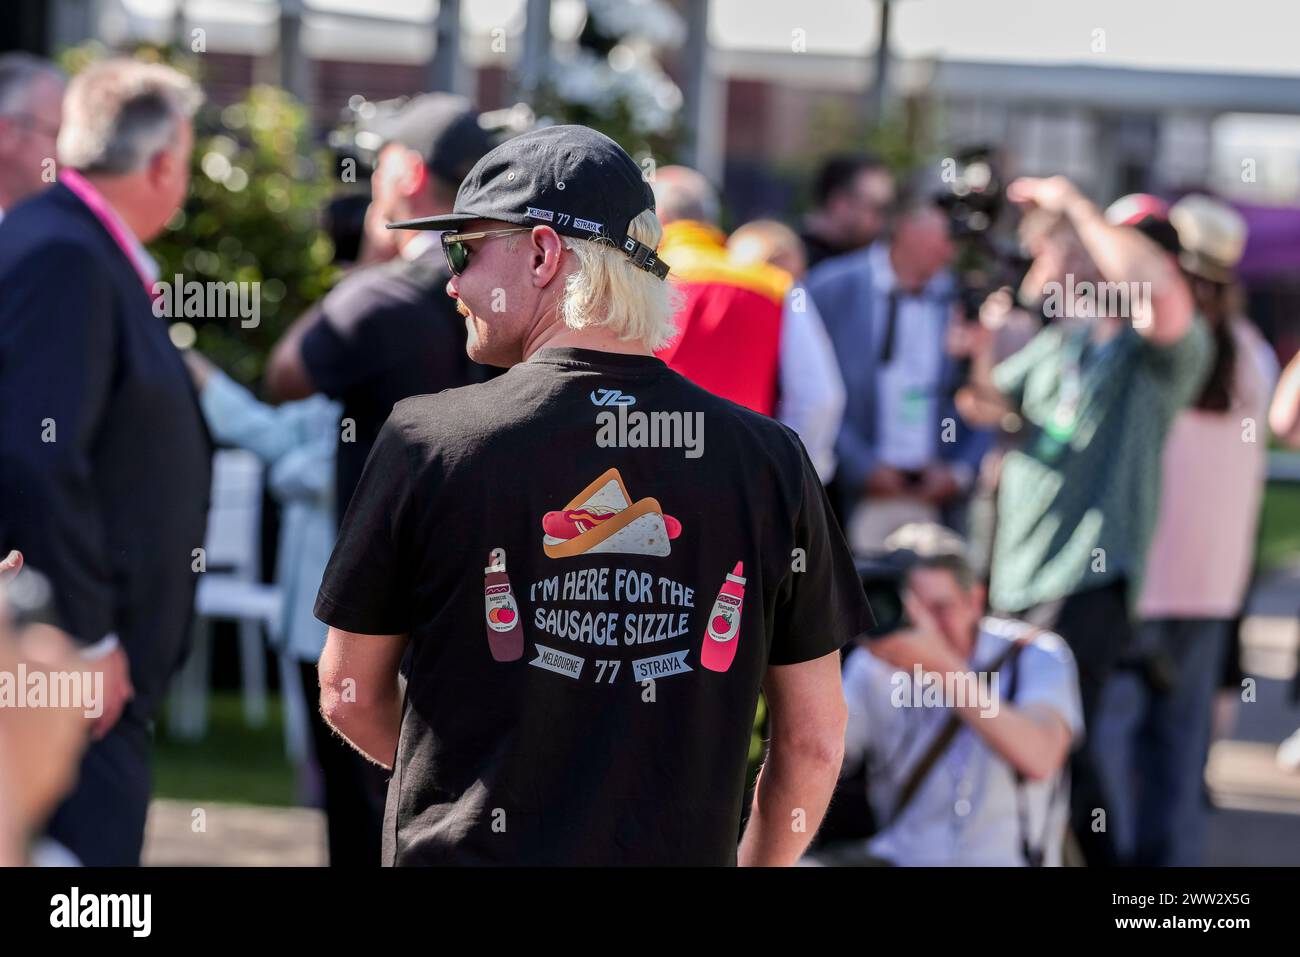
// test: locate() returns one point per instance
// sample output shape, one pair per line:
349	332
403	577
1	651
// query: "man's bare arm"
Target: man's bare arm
806	702
361	691
1034	740
1284	414
1122	255
287	377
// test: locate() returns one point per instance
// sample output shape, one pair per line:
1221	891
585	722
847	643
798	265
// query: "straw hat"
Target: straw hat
1212	234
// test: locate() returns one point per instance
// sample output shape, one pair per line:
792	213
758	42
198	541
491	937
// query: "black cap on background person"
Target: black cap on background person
1147	214
428	147
444	129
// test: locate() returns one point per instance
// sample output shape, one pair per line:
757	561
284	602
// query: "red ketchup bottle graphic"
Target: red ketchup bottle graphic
723	632
504	631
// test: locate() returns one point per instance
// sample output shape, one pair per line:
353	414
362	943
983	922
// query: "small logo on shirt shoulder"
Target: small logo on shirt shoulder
612	397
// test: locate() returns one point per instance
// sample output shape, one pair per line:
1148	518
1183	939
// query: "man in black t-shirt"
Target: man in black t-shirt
389	331
651	556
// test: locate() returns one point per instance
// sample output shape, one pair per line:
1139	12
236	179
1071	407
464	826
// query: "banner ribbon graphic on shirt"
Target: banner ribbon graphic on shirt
560	662
660	666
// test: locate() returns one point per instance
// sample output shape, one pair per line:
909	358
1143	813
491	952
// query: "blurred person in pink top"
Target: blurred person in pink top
1153	735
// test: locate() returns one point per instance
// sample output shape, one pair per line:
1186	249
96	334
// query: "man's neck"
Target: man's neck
906	279
117	192
556	335
823	230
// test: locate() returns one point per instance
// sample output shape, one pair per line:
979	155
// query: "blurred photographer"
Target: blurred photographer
1096	392
958	777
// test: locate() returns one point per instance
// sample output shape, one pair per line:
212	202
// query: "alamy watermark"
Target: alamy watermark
654	430
33	688
952	689
208	300
1089	300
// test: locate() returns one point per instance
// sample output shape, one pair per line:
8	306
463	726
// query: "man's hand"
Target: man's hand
885	481
1054	194
11	565
938	484
923	644
199	366
378	243
118	690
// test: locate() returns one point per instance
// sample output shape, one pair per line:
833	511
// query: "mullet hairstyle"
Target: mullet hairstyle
607	290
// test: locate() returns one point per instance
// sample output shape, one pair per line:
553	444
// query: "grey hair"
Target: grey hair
683	193
120	113
18	71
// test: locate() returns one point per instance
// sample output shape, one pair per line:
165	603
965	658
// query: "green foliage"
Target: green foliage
836	126
252	215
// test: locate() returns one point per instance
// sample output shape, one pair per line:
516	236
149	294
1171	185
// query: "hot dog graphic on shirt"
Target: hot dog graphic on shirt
602	518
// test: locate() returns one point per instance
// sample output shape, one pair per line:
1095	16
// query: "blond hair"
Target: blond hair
607	290
118	114
767	241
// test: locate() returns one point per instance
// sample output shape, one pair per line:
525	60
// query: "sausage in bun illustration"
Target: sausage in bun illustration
602	518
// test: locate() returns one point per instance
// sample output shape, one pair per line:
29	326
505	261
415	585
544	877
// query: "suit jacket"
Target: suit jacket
104	457
842	289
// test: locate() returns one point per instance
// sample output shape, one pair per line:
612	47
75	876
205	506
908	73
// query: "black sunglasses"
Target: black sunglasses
455	246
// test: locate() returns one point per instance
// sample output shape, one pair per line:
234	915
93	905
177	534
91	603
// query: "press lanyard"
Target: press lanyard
80	187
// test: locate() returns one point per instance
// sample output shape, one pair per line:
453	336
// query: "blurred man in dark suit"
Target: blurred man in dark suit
104	458
31	104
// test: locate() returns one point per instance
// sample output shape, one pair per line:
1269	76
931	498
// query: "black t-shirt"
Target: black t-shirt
817	249
385	333
592	702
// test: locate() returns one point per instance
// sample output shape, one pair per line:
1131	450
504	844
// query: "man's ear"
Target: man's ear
162	166
415	175
547	250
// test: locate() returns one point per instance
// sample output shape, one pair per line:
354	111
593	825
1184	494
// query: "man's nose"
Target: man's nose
451	288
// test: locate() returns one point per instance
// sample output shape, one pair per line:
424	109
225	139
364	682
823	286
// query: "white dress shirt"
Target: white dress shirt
811	399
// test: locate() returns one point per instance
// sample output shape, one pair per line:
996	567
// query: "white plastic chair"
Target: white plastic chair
230	588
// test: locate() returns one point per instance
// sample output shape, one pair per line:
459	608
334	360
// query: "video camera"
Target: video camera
973	197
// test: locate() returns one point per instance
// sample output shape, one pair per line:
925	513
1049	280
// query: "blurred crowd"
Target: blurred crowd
1071	466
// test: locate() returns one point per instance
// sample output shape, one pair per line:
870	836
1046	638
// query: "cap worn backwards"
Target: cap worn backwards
572	178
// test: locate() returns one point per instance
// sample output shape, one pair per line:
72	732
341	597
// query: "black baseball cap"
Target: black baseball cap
572	178
444	129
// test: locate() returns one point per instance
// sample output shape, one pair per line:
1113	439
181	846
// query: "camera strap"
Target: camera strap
1034	855
925	764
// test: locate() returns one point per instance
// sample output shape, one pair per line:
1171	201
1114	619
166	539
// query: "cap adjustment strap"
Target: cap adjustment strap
643	257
